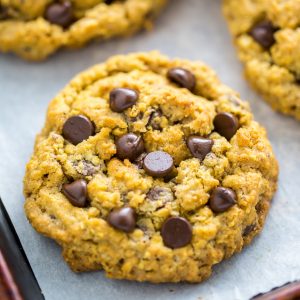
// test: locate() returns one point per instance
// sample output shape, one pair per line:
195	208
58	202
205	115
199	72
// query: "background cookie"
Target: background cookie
35	29
151	169
267	37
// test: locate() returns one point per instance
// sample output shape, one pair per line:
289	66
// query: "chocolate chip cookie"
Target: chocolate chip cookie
151	169
34	29
267	36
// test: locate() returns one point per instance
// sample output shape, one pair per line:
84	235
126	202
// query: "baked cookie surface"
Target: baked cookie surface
151	169
267	36
34	29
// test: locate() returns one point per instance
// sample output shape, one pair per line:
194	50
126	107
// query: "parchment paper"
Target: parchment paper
191	29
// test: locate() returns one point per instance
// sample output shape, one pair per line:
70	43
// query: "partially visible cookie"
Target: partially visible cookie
267	36
149	168
34	29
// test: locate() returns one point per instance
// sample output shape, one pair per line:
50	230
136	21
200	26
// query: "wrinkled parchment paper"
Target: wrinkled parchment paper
192	29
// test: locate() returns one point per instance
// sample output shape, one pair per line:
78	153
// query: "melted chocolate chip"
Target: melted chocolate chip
123	219
182	77
263	33
154	120
129	146
158	164
77	129
176	232
60	13
199	146
226	124
222	199
122	98
76	192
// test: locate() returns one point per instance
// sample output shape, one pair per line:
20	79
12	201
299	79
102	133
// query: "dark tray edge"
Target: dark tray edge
18	275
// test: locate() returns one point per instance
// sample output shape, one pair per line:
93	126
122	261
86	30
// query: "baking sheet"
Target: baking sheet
192	29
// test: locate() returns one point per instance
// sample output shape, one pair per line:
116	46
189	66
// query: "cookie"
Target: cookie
150	169
267	36
34	29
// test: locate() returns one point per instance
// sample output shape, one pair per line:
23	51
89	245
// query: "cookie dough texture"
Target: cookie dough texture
245	164
275	72
27	33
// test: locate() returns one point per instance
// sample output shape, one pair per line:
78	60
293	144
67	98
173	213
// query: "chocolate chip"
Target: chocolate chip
249	229
226	124
123	219
222	199
76	192
60	13
129	146
199	146
176	232
263	33
122	98
182	77
160	193
77	129
154	120
158	164
108	2
3	13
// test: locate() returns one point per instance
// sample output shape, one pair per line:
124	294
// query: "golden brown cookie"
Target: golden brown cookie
267	36
34	29
151	169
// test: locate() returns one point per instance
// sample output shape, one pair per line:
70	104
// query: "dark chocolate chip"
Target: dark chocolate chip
288	291
182	77
249	229
222	199
108	2
139	162
3	13
77	129
154	120
226	124
176	232
123	219
129	146
158	164
160	193
76	192
122	98
199	146
263	33
60	13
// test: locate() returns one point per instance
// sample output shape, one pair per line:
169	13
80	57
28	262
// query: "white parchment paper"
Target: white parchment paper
192	29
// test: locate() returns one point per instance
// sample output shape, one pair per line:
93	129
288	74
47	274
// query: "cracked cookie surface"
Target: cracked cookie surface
267	37
34	29
151	169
